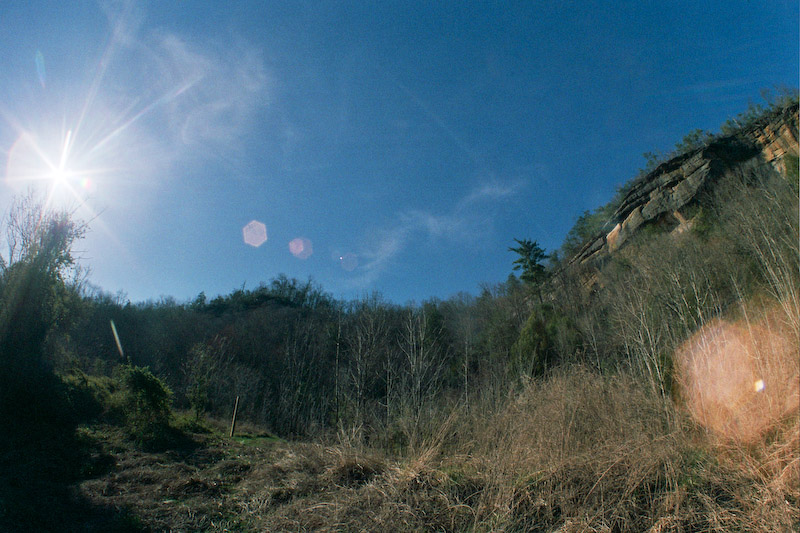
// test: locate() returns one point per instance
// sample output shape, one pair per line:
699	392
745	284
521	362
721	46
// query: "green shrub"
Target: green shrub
145	403
702	217
88	397
546	336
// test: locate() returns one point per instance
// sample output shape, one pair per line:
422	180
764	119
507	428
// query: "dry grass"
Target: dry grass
576	452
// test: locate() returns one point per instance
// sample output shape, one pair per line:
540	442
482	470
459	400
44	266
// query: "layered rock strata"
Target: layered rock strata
660	195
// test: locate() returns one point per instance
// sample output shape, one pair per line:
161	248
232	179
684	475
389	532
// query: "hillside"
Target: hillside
649	382
666	196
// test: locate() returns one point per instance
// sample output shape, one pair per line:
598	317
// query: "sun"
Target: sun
97	139
60	175
62	182
84	152
50	163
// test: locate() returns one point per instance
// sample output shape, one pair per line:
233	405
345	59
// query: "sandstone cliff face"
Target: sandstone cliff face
660	195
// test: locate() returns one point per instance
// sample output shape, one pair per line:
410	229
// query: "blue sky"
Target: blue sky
406	143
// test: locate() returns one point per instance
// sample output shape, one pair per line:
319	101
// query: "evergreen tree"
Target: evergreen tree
530	261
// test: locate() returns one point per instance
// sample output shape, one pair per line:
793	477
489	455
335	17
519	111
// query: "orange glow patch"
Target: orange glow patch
739	379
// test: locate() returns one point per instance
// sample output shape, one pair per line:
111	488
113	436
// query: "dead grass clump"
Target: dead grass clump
761	482
231	469
305	485
185	488
358	491
292	471
348	468
579	447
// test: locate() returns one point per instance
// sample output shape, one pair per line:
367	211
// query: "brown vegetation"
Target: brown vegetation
575	452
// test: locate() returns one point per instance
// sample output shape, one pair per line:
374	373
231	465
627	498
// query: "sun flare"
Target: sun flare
44	163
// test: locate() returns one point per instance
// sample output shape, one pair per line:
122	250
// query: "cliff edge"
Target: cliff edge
659	196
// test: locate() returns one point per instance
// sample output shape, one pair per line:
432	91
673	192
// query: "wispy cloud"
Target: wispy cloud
448	226
219	90
386	245
491	191
185	98
468	222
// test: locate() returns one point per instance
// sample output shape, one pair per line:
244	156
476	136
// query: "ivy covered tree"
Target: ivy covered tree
36	295
34	277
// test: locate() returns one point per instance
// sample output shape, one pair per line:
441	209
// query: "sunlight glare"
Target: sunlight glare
69	151
723	369
33	162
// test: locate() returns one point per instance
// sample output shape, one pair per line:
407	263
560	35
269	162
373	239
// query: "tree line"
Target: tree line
306	364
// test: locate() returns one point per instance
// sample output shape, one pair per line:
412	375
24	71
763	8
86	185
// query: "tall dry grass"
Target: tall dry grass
740	381
581	451
578	450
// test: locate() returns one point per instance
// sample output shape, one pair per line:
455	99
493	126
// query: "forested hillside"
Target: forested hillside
644	377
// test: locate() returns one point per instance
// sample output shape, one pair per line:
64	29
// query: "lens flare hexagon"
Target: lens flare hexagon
301	248
254	233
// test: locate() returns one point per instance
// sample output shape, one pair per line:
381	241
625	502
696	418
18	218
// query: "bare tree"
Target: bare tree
423	361
462	321
367	342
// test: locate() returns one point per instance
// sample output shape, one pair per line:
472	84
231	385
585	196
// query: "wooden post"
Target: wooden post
233	421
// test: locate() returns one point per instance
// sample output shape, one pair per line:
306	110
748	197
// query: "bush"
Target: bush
88	397
145	402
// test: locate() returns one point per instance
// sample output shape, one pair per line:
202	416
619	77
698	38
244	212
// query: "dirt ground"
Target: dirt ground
250	482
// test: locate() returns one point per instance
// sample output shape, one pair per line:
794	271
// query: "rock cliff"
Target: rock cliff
659	196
